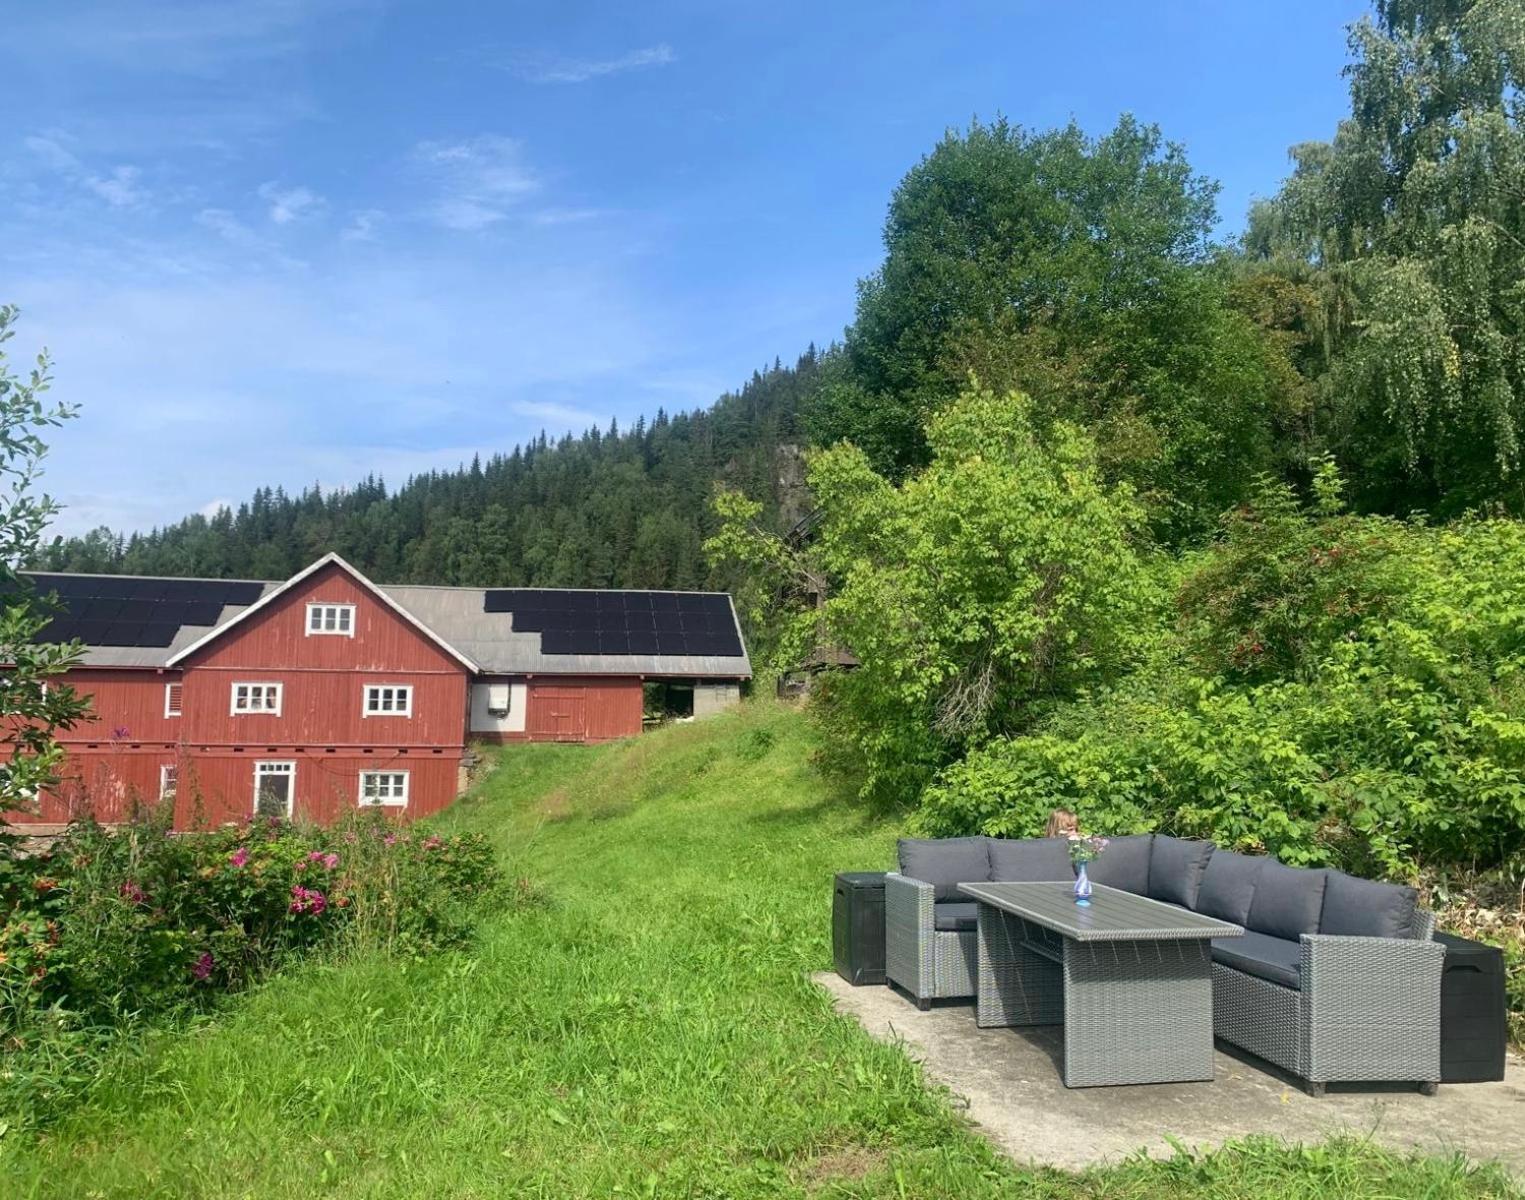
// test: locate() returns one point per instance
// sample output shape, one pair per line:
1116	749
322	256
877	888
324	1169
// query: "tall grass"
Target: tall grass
647	1030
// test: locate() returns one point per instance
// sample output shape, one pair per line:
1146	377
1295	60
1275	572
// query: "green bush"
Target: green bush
108	928
1384	730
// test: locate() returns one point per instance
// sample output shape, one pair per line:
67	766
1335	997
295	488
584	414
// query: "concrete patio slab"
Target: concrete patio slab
1009	1082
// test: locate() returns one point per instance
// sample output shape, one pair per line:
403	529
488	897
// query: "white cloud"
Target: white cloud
228	227
363	225
290	204
548	68
119	188
480	180
212	507
562	417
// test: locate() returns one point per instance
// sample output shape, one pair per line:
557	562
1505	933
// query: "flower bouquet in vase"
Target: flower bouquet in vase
1084	849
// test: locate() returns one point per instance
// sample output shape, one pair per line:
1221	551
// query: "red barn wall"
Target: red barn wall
323	676
582	709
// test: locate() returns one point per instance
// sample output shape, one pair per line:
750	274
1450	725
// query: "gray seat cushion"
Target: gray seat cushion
954	916
1288	901
1124	864
1175	869
1363	908
1263	956
1228	886
1031	860
945	863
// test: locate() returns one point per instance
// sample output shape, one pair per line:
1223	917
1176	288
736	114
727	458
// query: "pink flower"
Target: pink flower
132	893
239	857
330	861
389	840
432	843
201	969
307	900
299	865
315	856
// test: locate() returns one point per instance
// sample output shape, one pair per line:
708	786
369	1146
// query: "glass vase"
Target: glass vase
1082	887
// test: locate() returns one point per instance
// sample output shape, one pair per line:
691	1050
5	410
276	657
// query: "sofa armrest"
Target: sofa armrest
1371	1007
908	933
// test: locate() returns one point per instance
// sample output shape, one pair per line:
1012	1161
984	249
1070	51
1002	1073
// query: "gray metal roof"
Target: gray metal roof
455	615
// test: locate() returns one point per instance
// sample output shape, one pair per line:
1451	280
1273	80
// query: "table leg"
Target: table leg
1137	1012
1016	985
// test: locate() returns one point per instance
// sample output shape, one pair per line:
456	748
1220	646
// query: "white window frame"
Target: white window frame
169	779
323	609
389	801
275	766
500	711
264	710
373	691
170	710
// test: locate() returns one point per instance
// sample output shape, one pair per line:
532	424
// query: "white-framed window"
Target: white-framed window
172	693
384	787
275	785
257	698
500	699
388	700
335	619
169	779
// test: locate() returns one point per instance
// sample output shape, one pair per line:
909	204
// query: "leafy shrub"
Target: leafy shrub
1389	735
105	929
998	580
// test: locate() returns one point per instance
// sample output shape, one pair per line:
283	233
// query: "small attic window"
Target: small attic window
334	619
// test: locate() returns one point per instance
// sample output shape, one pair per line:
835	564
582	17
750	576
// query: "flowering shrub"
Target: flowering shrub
106	927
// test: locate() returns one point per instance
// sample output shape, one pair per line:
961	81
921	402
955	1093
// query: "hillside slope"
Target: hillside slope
644	1028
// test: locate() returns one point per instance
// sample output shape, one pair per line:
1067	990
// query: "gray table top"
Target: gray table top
1112	916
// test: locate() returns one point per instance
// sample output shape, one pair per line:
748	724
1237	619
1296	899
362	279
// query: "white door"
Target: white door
274	788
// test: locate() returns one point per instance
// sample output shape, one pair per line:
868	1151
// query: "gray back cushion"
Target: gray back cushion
1032	860
1175	869
1361	908
1288	901
1228	886
945	863
1124	864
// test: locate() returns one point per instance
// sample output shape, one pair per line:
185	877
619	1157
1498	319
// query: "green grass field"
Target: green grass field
646	1031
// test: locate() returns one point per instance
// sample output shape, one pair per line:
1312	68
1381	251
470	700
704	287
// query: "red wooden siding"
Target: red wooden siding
322	697
588	709
124	700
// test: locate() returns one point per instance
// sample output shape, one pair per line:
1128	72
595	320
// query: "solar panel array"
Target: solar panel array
119	611
676	623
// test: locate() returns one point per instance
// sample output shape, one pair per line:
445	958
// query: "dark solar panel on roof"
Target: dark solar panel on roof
618	622
111	610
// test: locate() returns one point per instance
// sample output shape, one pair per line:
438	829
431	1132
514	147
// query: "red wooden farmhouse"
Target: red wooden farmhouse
325	692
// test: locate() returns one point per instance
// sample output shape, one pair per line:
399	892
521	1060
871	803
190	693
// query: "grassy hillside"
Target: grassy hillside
642	1027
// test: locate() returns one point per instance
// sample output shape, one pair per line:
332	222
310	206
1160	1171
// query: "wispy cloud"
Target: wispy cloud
363	225
231	229
480	180
550	68
563	417
120	187
289	204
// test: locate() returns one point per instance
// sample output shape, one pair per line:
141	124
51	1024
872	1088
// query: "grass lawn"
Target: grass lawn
646	1031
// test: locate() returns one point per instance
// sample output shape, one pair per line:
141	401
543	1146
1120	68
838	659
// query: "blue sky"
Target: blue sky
298	241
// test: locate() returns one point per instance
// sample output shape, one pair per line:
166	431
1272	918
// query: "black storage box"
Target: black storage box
1473	1022
857	926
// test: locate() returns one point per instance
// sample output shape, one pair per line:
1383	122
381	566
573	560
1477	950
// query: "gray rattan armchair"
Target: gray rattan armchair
928	963
1367	1009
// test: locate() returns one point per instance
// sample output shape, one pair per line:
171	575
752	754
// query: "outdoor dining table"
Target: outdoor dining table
1129	978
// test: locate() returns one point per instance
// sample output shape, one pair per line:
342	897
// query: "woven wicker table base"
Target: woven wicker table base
1134	1010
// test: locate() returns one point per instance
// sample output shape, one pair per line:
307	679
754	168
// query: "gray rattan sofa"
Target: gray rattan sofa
1336	979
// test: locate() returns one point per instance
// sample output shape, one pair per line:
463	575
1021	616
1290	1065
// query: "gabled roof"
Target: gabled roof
329	559
156	622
